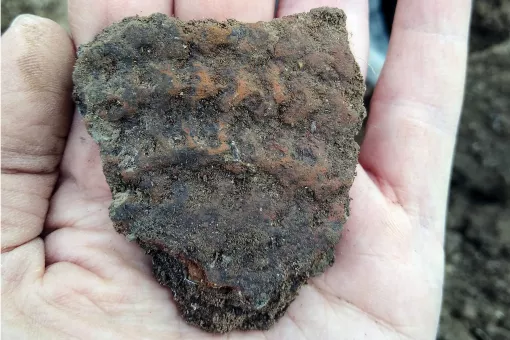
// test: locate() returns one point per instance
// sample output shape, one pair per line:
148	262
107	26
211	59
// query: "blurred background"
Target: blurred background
477	287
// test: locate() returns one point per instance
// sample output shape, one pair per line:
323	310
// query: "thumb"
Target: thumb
37	62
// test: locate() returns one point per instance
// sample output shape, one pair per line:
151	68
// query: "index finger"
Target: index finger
424	71
89	17
415	109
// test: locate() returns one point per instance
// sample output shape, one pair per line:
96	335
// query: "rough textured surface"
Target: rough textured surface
490	23
230	152
483	153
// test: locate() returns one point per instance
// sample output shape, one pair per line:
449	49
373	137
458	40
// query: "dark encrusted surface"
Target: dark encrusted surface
230	152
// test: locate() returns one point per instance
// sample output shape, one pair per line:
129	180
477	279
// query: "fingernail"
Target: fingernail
25	19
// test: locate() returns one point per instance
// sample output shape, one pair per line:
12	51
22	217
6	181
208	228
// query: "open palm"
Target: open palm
67	274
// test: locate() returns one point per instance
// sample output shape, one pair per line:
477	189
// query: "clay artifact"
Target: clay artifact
229	149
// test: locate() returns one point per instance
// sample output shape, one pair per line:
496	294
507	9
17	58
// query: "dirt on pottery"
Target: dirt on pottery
230	152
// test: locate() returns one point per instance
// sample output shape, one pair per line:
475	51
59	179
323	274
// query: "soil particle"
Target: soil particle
483	153
230	152
490	23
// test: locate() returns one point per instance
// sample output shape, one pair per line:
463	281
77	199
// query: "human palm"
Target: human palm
67	274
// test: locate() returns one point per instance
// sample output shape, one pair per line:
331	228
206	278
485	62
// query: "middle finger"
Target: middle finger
246	11
89	17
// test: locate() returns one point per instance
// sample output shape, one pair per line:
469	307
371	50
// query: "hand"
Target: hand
67	274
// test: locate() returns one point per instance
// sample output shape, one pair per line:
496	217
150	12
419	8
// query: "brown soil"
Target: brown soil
230	152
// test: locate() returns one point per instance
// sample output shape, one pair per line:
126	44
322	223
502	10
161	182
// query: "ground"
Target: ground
477	287
53	9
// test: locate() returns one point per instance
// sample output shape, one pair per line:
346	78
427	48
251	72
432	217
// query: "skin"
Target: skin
66	274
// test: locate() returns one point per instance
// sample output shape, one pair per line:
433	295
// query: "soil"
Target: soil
490	23
53	9
230	152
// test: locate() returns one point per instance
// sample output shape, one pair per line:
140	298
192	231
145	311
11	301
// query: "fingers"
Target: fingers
416	105
21	267
102	252
37	61
382	263
247	11
89	17
357	22
82	174
83	182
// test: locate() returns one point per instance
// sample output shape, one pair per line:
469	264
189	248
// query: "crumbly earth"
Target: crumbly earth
53	9
490	24
230	151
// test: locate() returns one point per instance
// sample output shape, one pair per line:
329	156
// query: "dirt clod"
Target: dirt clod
230	151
